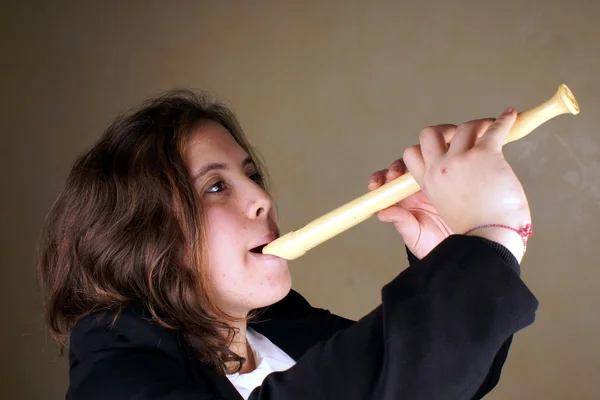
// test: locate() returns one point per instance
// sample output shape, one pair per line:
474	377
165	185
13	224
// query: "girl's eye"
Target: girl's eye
258	178
220	186
216	188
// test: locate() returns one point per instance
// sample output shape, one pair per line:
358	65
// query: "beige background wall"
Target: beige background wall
329	91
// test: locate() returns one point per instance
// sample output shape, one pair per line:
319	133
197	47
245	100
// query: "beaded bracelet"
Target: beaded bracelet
525	232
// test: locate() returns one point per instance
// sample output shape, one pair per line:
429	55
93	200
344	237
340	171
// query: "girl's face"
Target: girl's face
239	217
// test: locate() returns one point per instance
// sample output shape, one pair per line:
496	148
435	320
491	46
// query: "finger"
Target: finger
397	168
405	223
448	131
395	214
433	144
377	179
495	135
413	159
467	135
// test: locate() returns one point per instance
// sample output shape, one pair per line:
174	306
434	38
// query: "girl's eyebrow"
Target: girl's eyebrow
218	166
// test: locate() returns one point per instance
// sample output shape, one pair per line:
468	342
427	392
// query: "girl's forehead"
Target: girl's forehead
211	142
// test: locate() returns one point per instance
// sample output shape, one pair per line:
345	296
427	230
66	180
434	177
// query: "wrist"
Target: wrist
515	240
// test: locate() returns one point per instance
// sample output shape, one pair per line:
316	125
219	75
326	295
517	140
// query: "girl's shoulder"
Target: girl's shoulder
129	329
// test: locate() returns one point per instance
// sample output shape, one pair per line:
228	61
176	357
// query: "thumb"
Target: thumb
497	133
405	223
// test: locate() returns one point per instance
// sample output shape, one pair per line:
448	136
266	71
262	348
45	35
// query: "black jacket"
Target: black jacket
442	331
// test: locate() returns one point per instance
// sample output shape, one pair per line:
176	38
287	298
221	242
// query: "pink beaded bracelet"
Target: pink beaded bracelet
525	232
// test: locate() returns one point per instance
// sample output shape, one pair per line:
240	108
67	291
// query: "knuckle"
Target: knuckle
468	125
476	124
436	131
411	152
379	173
396	164
428	132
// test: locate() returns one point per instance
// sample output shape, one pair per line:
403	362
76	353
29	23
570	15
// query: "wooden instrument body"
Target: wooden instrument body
298	242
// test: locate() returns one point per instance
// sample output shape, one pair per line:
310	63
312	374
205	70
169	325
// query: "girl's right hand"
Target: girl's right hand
469	182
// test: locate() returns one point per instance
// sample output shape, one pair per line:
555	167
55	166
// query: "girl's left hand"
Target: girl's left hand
415	218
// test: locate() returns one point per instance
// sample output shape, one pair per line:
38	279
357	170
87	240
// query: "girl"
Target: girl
151	270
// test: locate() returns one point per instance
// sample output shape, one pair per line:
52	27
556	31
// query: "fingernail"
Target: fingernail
508	111
373	179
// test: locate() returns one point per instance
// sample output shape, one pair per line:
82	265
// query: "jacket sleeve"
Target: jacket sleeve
493	376
440	326
411	257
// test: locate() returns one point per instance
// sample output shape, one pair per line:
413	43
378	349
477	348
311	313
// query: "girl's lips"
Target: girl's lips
258	249
267	258
258	246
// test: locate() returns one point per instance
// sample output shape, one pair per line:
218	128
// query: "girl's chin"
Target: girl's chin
275	291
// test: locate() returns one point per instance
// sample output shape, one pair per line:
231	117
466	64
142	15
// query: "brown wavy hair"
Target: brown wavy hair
117	234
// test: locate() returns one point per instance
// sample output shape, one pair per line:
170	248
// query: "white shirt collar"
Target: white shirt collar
269	358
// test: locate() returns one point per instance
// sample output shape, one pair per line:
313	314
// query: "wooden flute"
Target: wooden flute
296	243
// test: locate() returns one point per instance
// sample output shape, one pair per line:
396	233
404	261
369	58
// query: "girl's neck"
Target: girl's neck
241	347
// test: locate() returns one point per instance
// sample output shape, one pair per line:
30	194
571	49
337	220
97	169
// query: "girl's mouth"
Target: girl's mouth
258	249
